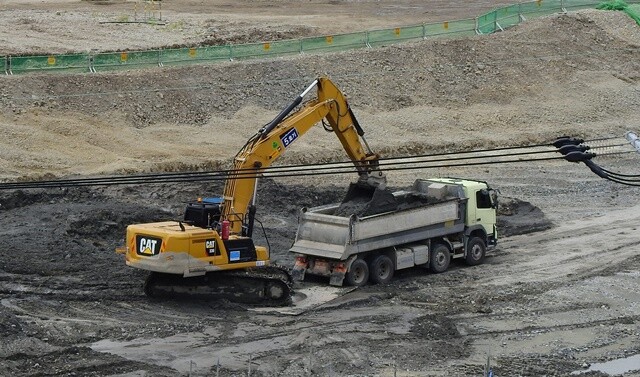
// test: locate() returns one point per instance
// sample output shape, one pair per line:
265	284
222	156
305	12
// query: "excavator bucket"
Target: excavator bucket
366	200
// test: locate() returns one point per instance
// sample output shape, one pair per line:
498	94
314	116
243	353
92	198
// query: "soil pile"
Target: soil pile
504	89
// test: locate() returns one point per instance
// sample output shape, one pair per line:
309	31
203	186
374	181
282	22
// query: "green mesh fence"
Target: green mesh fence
127	59
579	4
457	28
487	23
511	15
636	10
493	21
622	6
257	50
28	63
540	8
395	35
194	54
334	42
21	64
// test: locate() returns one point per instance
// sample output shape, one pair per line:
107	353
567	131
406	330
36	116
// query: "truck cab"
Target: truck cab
482	203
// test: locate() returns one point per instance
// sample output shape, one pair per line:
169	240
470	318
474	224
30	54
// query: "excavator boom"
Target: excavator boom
274	138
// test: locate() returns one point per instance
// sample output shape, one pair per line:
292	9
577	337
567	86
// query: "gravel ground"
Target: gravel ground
64	26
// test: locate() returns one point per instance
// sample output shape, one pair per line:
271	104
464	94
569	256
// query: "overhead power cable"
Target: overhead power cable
246	175
293	166
564	145
577	153
290	169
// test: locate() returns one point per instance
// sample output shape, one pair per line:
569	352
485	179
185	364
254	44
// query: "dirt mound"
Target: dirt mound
237	34
19	198
517	216
529	84
107	224
77	229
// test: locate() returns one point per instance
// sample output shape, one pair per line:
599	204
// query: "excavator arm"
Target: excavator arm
330	107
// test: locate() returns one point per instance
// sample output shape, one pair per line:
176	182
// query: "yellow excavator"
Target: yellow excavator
210	254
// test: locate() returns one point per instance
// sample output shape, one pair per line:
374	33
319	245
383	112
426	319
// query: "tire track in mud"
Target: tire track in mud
267	339
581	248
559	293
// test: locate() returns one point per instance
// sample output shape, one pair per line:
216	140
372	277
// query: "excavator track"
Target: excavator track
264	286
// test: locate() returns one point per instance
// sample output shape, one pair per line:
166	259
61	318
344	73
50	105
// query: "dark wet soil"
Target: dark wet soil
57	256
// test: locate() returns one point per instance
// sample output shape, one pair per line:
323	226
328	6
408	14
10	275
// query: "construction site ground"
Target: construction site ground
559	295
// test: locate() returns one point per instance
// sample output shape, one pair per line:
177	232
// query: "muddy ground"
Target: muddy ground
559	294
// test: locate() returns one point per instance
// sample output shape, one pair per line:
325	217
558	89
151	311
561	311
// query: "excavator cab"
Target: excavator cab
204	213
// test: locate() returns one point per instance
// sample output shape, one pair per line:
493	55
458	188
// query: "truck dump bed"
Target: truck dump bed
429	209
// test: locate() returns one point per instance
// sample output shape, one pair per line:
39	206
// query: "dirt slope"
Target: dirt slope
563	74
64	26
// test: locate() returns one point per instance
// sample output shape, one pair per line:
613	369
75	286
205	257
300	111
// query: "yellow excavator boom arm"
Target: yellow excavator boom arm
271	141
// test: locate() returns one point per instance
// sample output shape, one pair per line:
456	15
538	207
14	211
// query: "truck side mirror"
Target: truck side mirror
493	194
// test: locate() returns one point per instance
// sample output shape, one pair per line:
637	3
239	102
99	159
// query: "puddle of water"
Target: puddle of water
614	367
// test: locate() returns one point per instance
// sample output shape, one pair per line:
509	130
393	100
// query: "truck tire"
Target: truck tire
381	270
476	250
358	273
439	258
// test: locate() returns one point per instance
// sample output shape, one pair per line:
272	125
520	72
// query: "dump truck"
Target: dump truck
428	225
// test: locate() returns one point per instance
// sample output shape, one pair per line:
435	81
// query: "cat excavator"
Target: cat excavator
210	254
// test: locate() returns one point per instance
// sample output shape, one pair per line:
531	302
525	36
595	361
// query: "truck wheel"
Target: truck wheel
476	250
439	258
381	270
358	273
